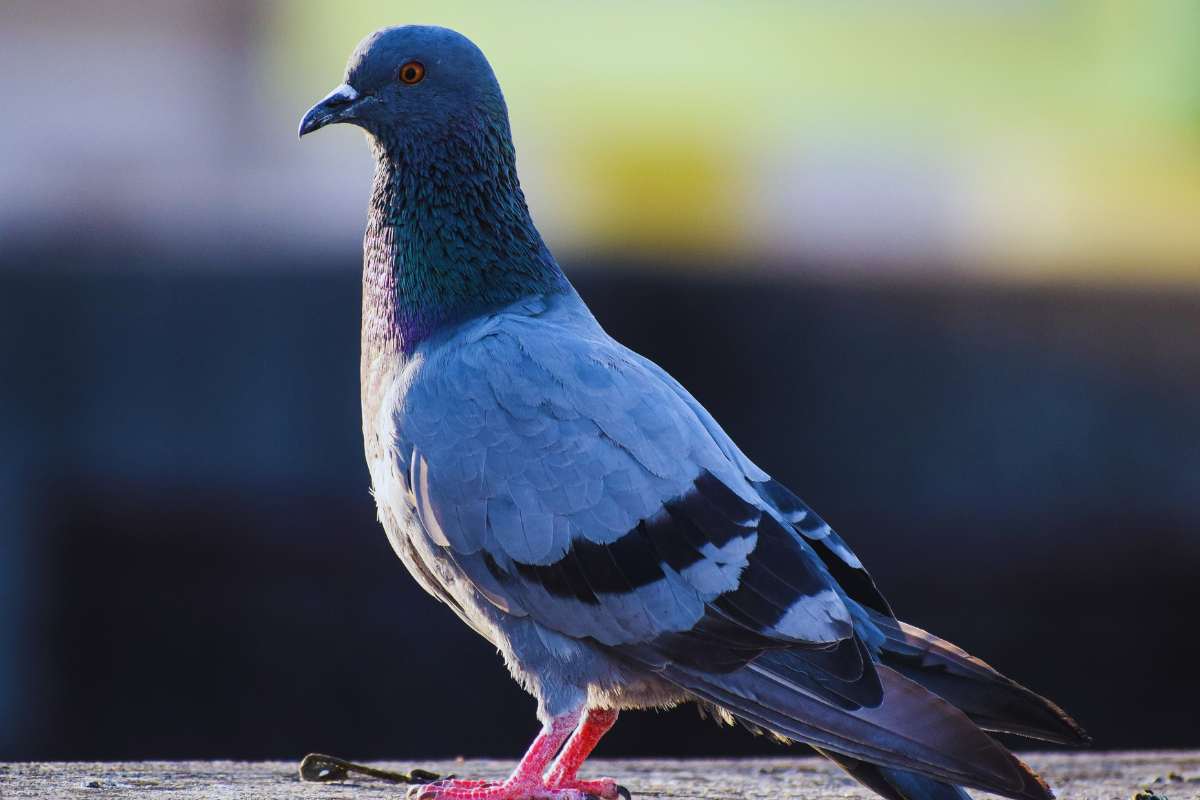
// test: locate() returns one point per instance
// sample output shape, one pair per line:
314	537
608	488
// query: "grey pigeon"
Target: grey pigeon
574	505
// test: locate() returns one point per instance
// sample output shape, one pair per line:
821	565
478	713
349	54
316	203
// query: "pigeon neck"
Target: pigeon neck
449	237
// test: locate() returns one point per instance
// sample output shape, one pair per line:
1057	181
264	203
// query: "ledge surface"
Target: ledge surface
1075	776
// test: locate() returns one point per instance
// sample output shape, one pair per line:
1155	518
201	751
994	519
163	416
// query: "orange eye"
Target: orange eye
412	72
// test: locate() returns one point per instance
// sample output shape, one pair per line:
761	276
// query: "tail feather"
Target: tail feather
993	701
808	670
911	730
896	784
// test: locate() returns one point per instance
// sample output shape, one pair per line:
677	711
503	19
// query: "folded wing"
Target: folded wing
579	486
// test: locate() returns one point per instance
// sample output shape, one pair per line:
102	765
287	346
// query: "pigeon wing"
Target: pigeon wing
572	482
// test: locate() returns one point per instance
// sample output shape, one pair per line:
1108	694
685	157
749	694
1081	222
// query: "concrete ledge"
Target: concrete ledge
1074	776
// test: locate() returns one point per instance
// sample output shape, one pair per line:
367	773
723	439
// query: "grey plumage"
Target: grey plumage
579	509
576	506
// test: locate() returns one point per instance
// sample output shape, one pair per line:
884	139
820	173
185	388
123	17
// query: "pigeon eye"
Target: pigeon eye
411	72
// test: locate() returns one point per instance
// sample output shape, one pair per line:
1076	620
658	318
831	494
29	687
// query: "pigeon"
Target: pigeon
573	504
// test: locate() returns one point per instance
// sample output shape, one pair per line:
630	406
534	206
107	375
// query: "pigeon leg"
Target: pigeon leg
596	723
525	783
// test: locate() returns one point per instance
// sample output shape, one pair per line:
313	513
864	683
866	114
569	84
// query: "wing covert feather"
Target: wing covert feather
574	481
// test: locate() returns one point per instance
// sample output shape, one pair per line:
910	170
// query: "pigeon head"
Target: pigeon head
413	81
449	236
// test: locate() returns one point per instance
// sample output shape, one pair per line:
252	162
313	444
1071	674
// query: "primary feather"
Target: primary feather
574	504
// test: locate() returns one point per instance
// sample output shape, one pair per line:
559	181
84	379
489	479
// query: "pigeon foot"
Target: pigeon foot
515	788
603	788
535	778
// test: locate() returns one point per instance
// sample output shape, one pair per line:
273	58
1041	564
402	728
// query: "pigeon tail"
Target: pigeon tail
912	730
991	700
896	784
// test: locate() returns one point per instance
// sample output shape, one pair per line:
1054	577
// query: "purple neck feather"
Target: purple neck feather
449	237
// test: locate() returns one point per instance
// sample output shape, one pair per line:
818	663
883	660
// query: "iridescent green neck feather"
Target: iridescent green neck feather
449	236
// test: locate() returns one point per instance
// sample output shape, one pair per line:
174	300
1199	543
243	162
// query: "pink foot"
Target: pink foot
603	788
511	789
535	778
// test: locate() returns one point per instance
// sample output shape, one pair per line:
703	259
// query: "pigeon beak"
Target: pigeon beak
334	108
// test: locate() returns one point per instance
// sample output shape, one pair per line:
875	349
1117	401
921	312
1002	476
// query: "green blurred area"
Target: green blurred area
1059	138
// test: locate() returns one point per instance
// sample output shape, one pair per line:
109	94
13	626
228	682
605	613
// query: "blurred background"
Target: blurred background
935	264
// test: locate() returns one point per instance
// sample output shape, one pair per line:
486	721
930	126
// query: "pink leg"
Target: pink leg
583	741
525	783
